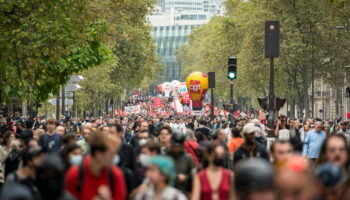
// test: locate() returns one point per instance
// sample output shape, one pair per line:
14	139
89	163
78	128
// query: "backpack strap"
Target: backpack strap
111	181
80	182
80	178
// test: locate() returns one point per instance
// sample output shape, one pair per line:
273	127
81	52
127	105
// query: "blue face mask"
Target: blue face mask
76	159
116	160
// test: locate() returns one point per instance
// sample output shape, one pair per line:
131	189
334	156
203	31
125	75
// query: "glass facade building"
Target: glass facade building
173	23
167	40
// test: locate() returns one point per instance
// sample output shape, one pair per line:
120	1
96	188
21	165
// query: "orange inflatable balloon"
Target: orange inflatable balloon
197	86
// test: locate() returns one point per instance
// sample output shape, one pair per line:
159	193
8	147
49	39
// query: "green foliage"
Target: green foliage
42	43
134	63
307	28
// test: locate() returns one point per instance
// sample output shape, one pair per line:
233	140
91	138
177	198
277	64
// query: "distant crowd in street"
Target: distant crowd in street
164	157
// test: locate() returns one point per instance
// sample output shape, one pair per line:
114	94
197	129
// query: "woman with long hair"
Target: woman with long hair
214	182
335	150
5	149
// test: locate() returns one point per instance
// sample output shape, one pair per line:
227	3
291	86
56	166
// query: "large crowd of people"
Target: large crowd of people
145	157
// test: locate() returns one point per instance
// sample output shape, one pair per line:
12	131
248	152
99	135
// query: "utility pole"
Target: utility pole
337	99
231	75
271	119
58	107
211	84
272	29
231	92
63	100
313	76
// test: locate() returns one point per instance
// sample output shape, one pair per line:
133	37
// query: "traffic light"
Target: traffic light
232	68
263	102
272	38
280	102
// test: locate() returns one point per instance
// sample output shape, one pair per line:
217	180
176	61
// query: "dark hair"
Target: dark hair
209	150
6	136
272	147
235	132
202	122
165	128
152	146
117	127
69	148
322	156
67	138
28	123
29	153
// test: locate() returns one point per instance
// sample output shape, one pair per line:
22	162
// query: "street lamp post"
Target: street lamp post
337	98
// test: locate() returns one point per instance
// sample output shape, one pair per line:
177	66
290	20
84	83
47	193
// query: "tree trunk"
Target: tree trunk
306	93
292	108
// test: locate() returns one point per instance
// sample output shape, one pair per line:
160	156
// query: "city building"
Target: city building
172	22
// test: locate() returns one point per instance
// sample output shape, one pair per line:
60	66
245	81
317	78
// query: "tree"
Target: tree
42	44
307	38
134	63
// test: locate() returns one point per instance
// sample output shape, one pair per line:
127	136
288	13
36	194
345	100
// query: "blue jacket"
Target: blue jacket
312	143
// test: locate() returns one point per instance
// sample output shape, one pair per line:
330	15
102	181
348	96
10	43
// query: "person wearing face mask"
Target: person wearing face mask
26	175
184	162
250	148
71	155
125	157
147	151
143	129
98	177
214	182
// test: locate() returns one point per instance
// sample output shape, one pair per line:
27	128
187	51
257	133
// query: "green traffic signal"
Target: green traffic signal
231	75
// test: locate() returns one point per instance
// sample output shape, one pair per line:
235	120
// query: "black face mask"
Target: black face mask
219	162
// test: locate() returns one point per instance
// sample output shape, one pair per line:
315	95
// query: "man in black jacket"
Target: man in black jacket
250	148
183	162
127	157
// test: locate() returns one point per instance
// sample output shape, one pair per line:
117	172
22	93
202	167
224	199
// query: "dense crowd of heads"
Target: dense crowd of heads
169	157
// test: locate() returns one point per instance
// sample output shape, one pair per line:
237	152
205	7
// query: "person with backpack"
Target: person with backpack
51	141
98	177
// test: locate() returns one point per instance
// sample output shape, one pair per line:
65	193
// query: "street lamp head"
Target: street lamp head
339	27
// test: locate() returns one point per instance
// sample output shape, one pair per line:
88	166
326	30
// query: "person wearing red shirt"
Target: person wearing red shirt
100	178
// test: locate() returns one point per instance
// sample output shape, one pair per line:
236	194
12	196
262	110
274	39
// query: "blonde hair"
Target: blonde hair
39	131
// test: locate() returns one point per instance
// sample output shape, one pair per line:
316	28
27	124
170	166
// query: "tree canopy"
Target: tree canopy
42	43
308	37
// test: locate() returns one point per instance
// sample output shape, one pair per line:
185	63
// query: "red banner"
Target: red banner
157	102
348	115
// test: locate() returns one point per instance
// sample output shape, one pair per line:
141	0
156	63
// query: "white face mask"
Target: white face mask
142	142
76	159
144	159
116	160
